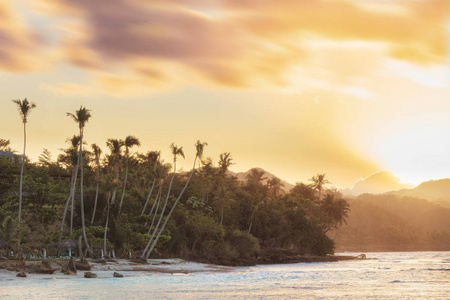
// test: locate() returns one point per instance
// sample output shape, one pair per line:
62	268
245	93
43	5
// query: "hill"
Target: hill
242	176
394	223
437	191
377	183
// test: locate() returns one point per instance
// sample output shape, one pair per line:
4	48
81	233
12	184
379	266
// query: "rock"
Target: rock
70	273
83	266
90	275
21	274
42	268
117	275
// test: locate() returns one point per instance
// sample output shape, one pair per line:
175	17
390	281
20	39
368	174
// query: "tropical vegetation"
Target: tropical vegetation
204	214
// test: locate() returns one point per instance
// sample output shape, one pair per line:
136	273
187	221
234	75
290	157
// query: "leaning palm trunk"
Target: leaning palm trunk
168	216
95	204
106	230
72	206
157	200
158	197
162	212
148	197
81	196
71	193
124	188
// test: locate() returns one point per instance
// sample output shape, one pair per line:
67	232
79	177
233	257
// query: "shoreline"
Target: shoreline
151	267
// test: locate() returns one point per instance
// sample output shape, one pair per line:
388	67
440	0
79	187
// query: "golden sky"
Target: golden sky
342	87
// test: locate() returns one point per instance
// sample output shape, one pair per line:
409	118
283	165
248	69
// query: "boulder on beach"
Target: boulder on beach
117	275
90	275
83	266
21	274
42	268
70	268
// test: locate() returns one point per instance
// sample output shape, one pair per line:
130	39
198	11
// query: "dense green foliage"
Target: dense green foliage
217	218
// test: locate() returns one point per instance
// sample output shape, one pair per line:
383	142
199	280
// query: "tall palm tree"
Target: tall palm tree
176	151
115	146
109	185
129	142
225	161
81	117
24	108
153	159
199	146
70	158
97	153
319	183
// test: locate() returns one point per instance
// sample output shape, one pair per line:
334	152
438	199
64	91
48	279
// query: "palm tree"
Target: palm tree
275	186
336	211
109	185
176	151
130	141
115	146
319	183
81	117
153	159
70	158
225	161
97	153
24	108
199	148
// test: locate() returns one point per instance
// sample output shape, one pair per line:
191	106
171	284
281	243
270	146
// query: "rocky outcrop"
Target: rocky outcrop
42	268
117	275
90	275
70	268
83	266
21	274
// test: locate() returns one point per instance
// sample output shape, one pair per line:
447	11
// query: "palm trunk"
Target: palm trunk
162	212
158	197
81	196
170	213
95	204
106	230
221	216
124	187
21	173
71	191
72	207
157	200
148	197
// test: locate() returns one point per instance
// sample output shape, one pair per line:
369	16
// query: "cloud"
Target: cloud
17	43
244	43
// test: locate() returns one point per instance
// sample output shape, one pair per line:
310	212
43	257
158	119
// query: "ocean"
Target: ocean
384	275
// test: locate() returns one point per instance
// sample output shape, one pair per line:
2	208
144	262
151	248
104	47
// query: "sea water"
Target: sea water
394	275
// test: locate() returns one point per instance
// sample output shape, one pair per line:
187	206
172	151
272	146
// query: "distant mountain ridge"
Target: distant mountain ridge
437	191
242	176
377	183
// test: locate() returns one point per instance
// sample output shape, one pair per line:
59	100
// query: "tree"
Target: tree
130	141
319	183
81	117
153	159
24	108
115	146
275	186
4	145
109	185
199	146
97	153
225	161
335	210
70	158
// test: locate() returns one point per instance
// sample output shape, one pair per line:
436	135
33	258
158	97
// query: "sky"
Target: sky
342	87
